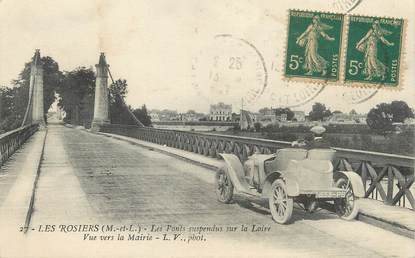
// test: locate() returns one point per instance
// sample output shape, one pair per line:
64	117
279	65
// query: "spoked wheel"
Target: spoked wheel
347	208
280	204
223	185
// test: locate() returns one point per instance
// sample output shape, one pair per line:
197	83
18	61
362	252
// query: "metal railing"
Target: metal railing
12	140
378	170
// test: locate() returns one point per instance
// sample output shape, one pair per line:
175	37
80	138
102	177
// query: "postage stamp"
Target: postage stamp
373	50
313	46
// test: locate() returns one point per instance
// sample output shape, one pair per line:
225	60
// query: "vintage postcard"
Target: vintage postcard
197	128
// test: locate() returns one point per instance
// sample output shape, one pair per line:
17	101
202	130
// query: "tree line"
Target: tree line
318	112
381	119
75	92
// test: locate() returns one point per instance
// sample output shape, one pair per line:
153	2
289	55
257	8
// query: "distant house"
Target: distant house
190	117
154	117
268	112
299	116
342	118
282	117
162	115
236	117
177	117
265	119
360	118
220	112
266	116
409	121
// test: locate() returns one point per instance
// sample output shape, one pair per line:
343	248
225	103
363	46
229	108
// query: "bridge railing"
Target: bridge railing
386	177
12	140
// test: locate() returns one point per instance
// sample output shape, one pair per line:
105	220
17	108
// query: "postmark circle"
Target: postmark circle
359	95
295	95
230	69
289	94
344	5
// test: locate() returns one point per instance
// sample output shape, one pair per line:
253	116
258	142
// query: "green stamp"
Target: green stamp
373	50
314	45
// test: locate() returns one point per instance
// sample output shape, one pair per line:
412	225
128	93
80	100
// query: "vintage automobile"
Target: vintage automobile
291	175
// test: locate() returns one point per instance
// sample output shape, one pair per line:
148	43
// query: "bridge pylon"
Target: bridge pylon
101	107
35	112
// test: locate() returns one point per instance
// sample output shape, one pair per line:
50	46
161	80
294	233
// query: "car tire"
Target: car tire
348	207
280	204
223	185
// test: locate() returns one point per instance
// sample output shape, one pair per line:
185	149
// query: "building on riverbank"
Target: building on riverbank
342	118
220	112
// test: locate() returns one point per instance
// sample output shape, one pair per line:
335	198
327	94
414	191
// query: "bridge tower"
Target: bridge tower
101	108
35	111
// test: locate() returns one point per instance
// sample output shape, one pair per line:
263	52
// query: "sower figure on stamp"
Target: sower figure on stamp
313	62
368	45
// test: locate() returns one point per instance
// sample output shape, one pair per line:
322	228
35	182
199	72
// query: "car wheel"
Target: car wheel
348	207
223	186
280	204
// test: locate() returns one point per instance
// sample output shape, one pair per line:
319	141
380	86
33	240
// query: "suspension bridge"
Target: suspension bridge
57	174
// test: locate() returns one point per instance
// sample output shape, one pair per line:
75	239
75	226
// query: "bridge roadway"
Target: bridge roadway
91	179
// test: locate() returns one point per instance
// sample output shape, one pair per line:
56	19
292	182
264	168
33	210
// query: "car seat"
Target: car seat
321	154
283	157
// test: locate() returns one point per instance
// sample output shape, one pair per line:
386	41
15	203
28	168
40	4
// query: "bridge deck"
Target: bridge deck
87	178
17	178
393	215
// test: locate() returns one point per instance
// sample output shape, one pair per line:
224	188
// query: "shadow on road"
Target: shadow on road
261	206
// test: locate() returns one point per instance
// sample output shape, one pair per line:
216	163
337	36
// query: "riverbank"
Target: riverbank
401	144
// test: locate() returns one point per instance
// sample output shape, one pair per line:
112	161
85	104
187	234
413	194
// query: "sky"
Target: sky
185	55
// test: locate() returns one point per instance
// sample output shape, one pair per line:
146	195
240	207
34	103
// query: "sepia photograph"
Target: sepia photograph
195	128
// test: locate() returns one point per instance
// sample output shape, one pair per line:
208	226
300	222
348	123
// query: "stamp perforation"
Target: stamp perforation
341	80
402	57
296	79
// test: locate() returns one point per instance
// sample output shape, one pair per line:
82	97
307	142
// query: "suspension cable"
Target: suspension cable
136	120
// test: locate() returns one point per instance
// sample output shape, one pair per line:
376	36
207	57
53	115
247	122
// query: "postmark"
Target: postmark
230	69
373	51
345	5
313	48
286	96
359	95
284	93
